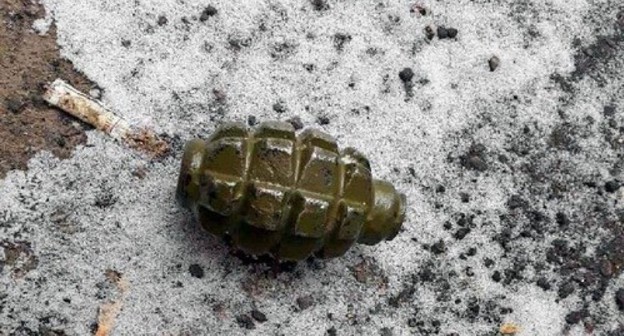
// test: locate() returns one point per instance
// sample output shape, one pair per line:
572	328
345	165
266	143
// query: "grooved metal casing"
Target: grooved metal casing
275	192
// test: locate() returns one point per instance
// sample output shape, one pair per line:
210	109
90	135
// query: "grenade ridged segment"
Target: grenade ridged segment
275	192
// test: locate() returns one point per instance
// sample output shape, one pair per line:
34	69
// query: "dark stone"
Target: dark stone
465	197
543	283
340	40
305	302
606	268
208	12
566	289
575	316
426	275
196	271
319	5
609	111
251	120
440	189
619	298
332	331
406	75
245	321
295	122
385	331
473	309
14	105
258	316
475	158
439	247
612	186
562	220
461	233
442	33
126	43
496	276
452	32
322	120
162	20
429	33
279	107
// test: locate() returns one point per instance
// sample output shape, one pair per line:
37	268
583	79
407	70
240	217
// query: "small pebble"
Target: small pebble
162	20
406	75
612	186
429	33
305	302
566	289
439	247
452	32
245	321
418	8
251	120
322	120
295	122
574	317
196	271
279	107
319	4
494	62
258	316
442	33
207	13
543	283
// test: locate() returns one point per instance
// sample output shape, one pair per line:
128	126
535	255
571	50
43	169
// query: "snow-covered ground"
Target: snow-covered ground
512	176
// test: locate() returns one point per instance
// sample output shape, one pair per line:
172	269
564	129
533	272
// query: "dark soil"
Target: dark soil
28	62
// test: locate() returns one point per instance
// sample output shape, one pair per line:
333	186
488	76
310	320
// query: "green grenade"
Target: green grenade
275	192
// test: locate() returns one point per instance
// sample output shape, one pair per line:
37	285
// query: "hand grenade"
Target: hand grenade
289	195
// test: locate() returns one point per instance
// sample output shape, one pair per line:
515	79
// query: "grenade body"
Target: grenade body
290	195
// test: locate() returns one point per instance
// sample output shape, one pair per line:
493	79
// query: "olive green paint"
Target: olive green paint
275	192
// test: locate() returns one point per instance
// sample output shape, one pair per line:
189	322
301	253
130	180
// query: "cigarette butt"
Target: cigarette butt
93	112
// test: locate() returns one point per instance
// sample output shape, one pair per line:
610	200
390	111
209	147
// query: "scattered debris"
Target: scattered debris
509	329
418	8
76	103
108	312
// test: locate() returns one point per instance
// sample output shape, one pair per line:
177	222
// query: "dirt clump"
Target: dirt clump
29	61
